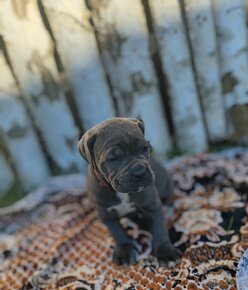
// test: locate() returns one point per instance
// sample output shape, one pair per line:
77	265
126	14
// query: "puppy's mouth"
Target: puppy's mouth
129	189
129	184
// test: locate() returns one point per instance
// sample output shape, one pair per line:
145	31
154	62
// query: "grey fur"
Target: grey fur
123	179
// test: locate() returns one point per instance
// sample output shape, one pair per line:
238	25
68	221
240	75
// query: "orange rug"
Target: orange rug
52	239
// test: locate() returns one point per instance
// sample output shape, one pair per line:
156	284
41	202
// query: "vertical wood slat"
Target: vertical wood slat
230	22
76	44
230	18
186	113
18	134
31	53
204	45
7	177
123	38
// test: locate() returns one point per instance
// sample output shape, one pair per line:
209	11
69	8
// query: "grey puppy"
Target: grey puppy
124	180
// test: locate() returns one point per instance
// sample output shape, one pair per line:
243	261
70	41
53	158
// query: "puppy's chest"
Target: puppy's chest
123	206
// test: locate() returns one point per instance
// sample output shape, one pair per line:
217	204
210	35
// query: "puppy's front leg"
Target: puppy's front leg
124	252
164	250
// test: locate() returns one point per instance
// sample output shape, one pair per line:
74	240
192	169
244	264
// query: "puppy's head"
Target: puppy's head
117	151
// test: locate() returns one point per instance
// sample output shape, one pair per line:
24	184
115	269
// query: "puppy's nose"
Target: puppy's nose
138	170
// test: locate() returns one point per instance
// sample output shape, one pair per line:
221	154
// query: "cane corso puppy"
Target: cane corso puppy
124	180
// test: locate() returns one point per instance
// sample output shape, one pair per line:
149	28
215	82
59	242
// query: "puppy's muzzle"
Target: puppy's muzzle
134	178
139	171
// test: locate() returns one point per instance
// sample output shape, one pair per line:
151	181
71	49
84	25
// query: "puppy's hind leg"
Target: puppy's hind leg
166	193
163	181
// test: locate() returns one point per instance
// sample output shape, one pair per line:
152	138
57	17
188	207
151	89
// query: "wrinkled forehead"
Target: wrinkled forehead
127	140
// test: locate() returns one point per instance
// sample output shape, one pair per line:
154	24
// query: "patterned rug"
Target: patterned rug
52	239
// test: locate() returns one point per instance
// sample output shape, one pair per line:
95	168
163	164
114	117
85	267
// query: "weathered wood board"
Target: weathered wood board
123	39
230	19
77	47
204	45
31	53
7	177
186	112
18	134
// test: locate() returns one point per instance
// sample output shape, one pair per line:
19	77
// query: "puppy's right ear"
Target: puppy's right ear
85	146
139	122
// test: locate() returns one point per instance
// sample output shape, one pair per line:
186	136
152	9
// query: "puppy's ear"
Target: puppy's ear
85	146
139	122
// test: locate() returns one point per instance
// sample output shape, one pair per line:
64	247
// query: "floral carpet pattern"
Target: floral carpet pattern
52	239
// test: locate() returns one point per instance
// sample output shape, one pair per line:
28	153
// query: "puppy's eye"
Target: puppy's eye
145	149
114	158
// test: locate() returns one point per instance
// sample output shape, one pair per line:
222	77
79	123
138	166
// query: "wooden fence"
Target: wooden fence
180	65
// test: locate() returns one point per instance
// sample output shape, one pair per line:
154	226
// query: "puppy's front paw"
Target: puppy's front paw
124	254
166	253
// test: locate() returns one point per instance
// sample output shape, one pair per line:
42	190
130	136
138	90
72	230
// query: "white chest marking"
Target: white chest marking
124	207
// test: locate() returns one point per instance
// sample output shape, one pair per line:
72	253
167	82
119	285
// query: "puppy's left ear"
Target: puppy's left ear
139	122
85	146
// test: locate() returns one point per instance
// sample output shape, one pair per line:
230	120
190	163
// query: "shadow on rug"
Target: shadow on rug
53	240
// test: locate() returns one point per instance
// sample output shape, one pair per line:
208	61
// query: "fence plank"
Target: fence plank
7	177
18	134
186	113
123	37
204	46
230	17
77	47
31	53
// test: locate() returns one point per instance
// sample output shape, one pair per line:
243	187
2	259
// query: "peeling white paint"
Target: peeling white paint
186	113
230	19
123	36
18	134
77	47
31	53
204	45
